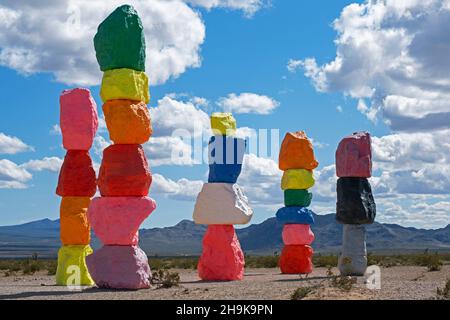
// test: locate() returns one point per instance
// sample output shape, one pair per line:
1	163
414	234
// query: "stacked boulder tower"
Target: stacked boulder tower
124	178
297	160
222	204
76	185
355	205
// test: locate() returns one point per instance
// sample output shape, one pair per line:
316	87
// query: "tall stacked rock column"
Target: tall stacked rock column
222	204
76	185
124	178
297	160
355	203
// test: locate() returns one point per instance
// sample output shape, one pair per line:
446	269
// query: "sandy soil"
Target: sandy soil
396	283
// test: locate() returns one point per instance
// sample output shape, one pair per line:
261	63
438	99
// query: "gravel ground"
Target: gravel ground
396	283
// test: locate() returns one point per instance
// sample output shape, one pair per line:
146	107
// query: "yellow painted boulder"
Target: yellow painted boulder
128	121
223	124
72	269
128	84
74	225
297	179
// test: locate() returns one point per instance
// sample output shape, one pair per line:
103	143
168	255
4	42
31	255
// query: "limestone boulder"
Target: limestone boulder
222	204
297	179
295	215
125	84
72	269
74	224
223	124
78	119
297	152
297	234
354	156
296	260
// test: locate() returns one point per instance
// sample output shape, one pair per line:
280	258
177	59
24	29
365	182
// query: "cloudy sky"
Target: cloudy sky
327	67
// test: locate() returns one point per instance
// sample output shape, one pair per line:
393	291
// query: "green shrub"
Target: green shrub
325	261
301	293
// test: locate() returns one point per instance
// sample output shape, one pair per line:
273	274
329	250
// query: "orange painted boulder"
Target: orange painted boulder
78	119
297	234
297	152
354	156
124	172
128	121
77	175
74	225
296	260
222	257
116	220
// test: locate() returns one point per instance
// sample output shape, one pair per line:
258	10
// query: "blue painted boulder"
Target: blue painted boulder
226	154
295	215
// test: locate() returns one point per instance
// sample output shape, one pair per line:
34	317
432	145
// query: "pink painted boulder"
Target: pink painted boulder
297	234
354	156
78	119
222	258
116	220
119	267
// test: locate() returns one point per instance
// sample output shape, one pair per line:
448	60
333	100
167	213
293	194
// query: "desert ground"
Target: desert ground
400	282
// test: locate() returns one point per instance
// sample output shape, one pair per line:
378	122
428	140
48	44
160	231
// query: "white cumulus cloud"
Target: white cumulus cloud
248	103
12	145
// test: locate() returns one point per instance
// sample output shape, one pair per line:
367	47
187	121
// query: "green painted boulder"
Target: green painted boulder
120	42
297	198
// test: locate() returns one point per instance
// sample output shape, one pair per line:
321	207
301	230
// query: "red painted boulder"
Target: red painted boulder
297	234
354	156
119	267
116	220
296	260
78	119
77	175
124	172
222	258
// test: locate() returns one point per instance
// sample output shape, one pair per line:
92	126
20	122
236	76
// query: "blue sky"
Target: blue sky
329	80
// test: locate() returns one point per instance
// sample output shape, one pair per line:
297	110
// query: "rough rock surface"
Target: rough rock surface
296	260
126	84
72	269
297	179
124	172
295	215
223	204
120	41
354	156
226	155
354	240
116	220
355	202
128	121
77	175
78	119
297	198
297	234
74	225
222	257
297	152
352	265
223	124
120	267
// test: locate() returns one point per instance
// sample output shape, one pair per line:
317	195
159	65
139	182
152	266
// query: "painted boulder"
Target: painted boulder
120	267
223	124
72	269
125	84
124	172
77	175
74	225
116	220
120	42
297	152
223	204
222	258
297	198
297	234
128	121
354	156
226	155
352	265
296	260
354	240
297	179
78	119
295	215
355	202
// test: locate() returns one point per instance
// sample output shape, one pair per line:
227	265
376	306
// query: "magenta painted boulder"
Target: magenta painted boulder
78	119
297	234
222	258
116	220
354	156
119	267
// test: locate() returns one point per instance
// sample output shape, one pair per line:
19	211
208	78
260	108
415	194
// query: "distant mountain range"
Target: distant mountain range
185	238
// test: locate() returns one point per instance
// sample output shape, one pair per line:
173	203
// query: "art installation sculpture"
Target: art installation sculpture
297	160
355	205
124	179
222	203
76	185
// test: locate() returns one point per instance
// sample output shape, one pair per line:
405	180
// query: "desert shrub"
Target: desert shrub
165	279
431	261
51	267
325	261
343	283
301	293
262	262
31	266
444	293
